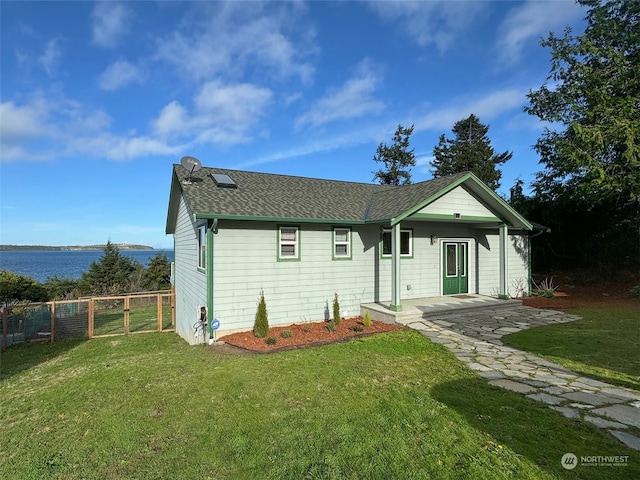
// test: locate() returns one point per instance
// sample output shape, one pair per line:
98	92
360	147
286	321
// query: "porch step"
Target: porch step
416	309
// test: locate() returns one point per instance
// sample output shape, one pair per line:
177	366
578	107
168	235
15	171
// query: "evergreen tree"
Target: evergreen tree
397	159
157	275
593	106
591	149
261	324
16	288
108	276
469	151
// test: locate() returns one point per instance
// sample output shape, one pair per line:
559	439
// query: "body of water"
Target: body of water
44	264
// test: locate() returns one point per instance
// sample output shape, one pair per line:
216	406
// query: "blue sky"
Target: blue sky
99	100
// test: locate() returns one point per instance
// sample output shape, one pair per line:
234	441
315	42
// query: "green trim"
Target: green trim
211	227
430	199
336	221
469	176
504	204
444	216
528	265
298	244
388	256
333	244
395	308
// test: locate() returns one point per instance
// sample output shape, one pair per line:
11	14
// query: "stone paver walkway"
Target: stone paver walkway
474	337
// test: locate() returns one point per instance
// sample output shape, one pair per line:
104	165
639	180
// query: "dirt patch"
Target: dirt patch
305	335
571	297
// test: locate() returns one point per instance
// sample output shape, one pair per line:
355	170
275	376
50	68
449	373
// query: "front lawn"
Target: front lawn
393	406
604	345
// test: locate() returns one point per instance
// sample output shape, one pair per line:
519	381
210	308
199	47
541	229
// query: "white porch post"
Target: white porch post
395	269
504	236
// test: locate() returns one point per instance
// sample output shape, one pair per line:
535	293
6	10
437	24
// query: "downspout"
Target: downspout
212	227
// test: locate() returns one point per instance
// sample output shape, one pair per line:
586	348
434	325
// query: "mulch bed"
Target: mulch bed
305	335
573	297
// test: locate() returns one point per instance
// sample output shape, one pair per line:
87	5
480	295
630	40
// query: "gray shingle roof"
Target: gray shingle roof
283	197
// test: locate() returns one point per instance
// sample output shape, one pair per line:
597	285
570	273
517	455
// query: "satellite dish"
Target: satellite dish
192	164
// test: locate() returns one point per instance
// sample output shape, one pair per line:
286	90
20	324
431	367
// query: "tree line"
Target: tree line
113	274
586	197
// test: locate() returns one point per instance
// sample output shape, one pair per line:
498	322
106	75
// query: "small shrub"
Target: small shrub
546	288
308	328
336	310
366	321
356	328
634	292
331	326
261	325
271	340
286	334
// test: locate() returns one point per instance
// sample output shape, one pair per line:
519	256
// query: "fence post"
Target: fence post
91	313
173	306
159	302
126	315
53	320
5	314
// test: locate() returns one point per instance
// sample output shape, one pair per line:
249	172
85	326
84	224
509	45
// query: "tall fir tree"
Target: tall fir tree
469	151
397	159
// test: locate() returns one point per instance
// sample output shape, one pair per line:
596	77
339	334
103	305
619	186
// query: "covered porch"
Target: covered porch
419	308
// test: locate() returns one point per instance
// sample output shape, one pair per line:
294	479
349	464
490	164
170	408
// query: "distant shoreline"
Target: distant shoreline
70	248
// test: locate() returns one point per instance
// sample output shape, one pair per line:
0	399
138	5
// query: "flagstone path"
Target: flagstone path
474	338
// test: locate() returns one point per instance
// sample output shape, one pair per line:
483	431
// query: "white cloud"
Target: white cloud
119	74
234	37
20	122
173	119
354	99
430	22
50	58
110	22
486	108
532	20
222	114
124	147
225	113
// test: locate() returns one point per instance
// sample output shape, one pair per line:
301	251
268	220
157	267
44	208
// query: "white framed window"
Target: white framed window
342	243
406	242
202	246
288	243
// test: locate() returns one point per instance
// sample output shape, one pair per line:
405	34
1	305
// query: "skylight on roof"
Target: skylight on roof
223	181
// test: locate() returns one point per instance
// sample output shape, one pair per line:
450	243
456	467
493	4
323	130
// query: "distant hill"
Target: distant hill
121	246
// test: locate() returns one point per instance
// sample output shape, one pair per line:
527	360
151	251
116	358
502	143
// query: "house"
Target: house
301	240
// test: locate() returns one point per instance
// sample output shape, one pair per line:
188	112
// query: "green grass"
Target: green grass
604	345
143	316
392	406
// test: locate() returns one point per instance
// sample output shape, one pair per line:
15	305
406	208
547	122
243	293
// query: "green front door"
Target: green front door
455	258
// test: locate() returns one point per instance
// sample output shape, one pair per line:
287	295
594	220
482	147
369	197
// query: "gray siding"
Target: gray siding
246	262
489	264
190	283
